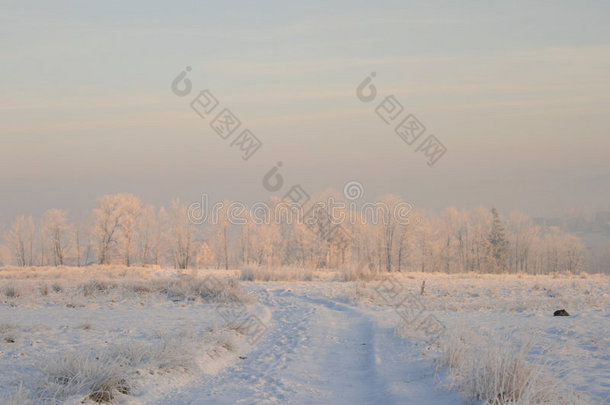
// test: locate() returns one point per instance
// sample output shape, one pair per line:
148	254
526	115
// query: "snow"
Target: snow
320	351
326	341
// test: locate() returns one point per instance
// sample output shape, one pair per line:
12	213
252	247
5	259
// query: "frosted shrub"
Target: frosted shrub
97	375
495	370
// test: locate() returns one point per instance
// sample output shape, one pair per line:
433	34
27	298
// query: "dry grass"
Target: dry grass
10	291
104	374
276	274
495	370
74	287
357	272
19	397
95	374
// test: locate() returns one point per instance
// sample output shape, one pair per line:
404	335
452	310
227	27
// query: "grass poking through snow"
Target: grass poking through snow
495	370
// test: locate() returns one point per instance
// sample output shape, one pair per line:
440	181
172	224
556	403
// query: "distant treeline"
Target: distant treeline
121	230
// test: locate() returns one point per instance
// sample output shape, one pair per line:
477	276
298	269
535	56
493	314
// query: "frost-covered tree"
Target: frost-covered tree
82	242
181	235
522	234
21	239
498	245
573	254
390	228
114	225
221	224
131	207
147	227
55	227
121	229
205	257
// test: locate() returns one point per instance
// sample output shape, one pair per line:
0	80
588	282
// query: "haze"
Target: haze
518	93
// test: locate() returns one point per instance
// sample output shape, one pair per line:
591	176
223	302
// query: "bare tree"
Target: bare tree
114	223
181	235
146	238
55	228
131	207
20	238
221	224
387	227
522	234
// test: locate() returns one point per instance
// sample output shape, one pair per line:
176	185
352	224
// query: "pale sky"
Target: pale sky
518	92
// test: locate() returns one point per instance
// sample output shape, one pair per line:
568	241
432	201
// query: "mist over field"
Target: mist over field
327	202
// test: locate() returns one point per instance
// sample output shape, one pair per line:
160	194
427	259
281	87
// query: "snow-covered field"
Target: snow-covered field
153	336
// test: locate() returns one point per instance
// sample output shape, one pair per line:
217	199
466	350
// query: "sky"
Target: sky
517	92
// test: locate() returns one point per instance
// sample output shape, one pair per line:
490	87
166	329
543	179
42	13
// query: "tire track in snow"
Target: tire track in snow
317	351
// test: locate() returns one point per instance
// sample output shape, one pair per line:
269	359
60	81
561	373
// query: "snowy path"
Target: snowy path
319	351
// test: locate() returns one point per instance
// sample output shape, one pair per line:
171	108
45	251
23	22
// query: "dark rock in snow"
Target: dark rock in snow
561	312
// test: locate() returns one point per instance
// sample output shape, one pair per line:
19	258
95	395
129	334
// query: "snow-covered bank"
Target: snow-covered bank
114	337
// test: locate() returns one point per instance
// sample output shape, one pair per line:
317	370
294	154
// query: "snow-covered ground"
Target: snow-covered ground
322	350
326	341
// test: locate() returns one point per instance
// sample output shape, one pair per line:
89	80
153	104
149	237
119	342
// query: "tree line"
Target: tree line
122	230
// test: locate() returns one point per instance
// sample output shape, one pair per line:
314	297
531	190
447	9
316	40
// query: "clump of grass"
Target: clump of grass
10	291
44	290
363	271
94	287
361	293
86	326
208	289
103	374
246	274
495	370
141	288
275	274
97	375
19	397
174	354
107	390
